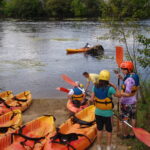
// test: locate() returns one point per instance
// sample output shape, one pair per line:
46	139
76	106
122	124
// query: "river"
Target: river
33	56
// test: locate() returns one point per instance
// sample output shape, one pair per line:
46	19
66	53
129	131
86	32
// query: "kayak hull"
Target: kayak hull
11	120
72	108
21	101
80	50
38	128
68	127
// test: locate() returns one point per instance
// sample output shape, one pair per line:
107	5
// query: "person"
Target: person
129	90
77	94
102	97
91	77
87	45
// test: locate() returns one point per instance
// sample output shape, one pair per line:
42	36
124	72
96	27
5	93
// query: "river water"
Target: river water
33	56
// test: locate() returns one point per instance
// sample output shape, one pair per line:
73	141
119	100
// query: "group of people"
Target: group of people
103	91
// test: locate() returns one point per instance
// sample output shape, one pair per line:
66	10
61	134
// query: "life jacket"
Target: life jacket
102	101
78	94
136	79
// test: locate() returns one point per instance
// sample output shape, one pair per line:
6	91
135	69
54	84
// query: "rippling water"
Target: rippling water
33	56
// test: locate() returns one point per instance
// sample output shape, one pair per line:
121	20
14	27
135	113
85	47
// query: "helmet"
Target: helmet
127	65
104	75
81	85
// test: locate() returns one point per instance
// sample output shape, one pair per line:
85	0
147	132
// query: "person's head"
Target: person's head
86	74
104	77
79	84
126	67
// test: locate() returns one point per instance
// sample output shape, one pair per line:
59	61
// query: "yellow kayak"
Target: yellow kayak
70	50
78	132
31	136
20	101
10	121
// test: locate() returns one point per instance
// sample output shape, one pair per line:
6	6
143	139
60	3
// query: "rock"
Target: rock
96	50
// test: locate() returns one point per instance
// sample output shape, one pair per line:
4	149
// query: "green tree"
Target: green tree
78	8
24	9
58	8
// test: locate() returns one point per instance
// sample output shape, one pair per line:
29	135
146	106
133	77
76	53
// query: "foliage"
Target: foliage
58	8
114	9
119	9
144	58
24	8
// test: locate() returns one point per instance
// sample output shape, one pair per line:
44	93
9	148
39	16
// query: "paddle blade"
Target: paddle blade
119	55
62	89
68	80
142	135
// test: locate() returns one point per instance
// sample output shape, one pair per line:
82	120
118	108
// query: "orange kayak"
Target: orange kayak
31	136
73	108
21	101
10	121
70	50
77	133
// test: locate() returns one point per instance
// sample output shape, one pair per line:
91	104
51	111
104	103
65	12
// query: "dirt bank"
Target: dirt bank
57	107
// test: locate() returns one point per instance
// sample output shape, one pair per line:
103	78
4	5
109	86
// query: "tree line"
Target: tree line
36	9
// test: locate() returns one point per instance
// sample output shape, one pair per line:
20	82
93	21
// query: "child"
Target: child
128	100
102	96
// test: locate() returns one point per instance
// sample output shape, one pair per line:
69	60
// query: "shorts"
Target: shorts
101	121
128	111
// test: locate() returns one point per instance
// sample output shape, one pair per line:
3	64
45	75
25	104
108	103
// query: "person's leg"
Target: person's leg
108	125
100	124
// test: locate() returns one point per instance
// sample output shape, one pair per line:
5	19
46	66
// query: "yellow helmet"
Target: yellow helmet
104	75
81	85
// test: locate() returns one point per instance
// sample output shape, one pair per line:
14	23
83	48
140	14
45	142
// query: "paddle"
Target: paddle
119	60
62	89
140	133
68	80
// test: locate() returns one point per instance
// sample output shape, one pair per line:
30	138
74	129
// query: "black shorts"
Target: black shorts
101	121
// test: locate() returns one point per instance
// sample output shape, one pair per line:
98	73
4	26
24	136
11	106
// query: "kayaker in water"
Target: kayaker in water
77	94
87	45
91	77
129	89
102	97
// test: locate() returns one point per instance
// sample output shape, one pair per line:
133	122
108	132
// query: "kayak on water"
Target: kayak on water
70	50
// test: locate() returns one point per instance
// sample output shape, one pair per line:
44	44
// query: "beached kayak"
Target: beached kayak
5	95
77	133
71	107
70	50
31	136
10	122
20	101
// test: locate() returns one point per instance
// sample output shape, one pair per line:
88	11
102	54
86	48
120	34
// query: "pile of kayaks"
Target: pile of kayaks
9	102
78	132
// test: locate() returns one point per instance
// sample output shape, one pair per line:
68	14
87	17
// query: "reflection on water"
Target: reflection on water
33	55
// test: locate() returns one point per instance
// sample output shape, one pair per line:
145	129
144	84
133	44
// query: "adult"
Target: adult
102	97
91	77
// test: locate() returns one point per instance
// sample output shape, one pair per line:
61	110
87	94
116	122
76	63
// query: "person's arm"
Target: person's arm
92	97
118	75
117	94
71	92
87	85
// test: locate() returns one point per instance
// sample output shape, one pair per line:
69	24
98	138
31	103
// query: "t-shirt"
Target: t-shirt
129	83
93	77
105	113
